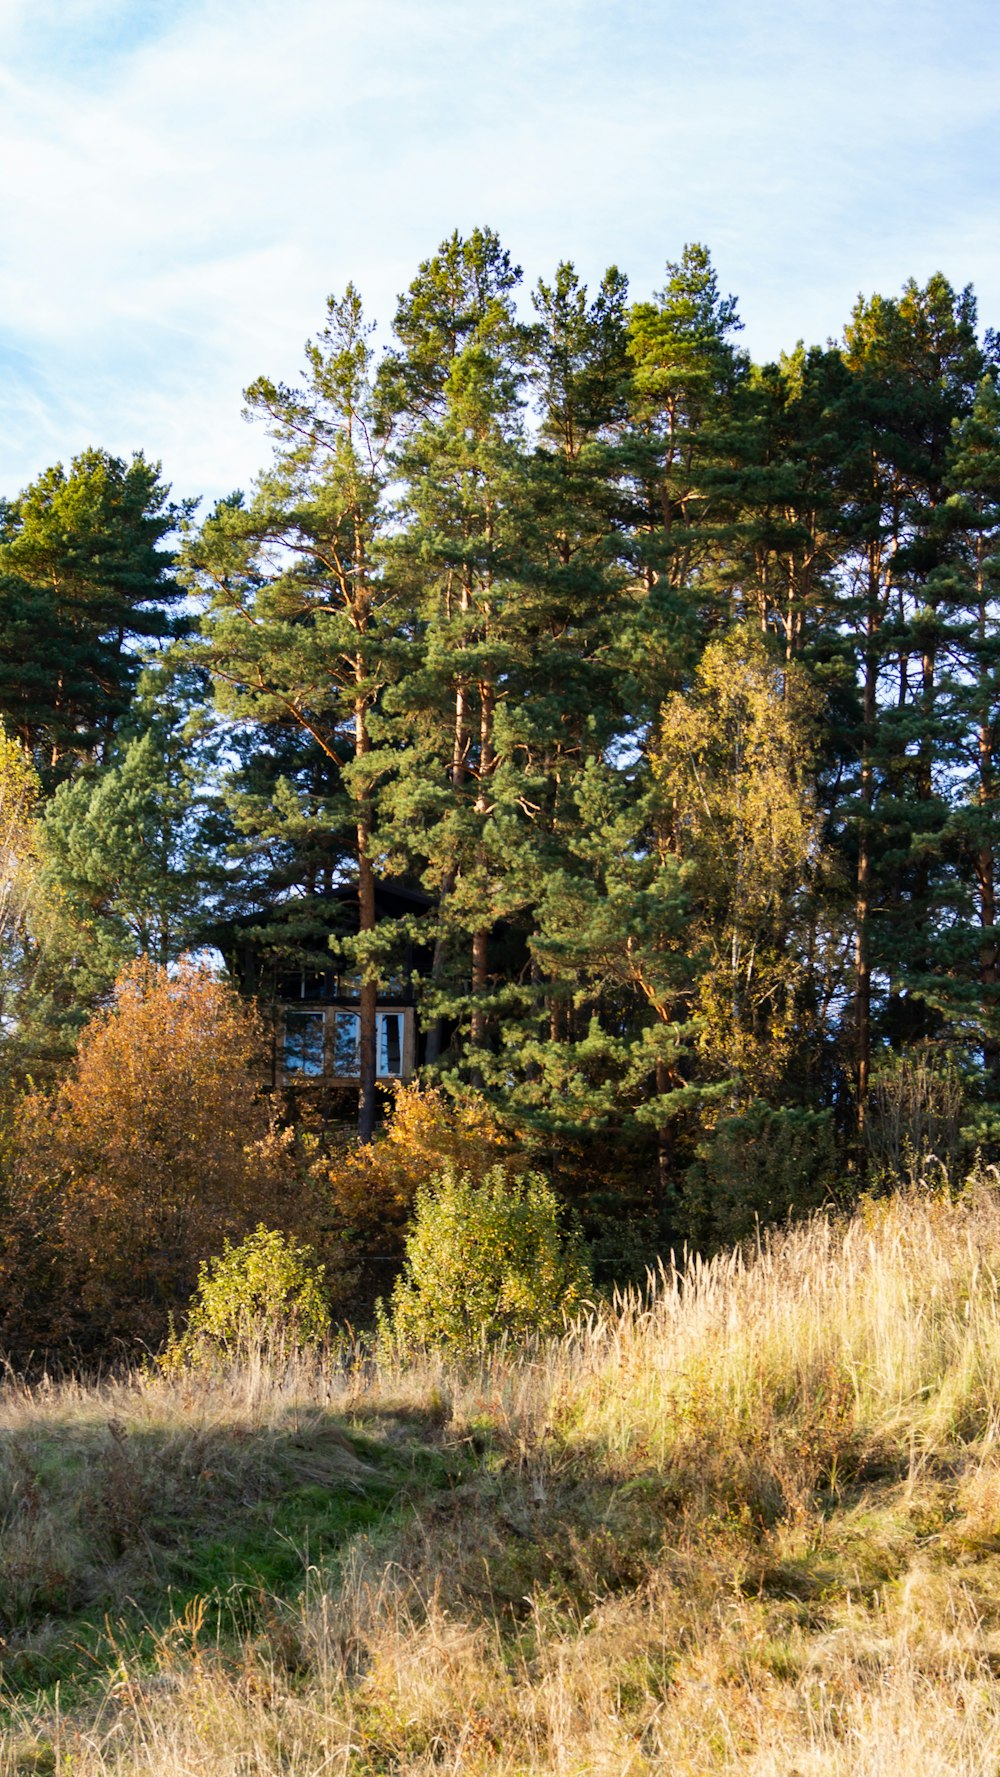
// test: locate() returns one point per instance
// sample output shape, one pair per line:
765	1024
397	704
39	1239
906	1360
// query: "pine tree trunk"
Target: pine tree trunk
480	982
369	1000
663	1134
863	980
480	938
458	770
986	871
862	943
986	859
366	923
435	1030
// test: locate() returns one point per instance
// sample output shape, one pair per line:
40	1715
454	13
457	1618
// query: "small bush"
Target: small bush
915	1110
370	1187
266	1291
484	1259
157	1146
756	1169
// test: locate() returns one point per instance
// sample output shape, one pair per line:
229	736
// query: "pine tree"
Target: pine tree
295	629
85	581
454	384
685	373
610	920
612	932
965	986
565	708
915	363
125	847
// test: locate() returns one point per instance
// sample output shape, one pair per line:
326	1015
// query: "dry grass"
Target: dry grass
749	1525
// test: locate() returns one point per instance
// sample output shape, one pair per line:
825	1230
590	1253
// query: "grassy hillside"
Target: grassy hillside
752	1525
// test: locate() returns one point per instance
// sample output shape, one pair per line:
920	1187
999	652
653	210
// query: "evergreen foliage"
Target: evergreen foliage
84	579
667	684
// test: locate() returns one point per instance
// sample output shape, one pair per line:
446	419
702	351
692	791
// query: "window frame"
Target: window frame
293	1011
304	1019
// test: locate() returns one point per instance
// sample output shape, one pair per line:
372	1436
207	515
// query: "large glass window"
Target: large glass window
389	1047
346	1044
303	1042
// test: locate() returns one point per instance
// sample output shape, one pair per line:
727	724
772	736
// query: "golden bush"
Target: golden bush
158	1145
370	1187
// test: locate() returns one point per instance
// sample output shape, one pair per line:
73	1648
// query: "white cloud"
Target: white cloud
182	183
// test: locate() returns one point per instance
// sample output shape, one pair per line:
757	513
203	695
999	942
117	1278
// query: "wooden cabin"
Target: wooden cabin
317	1018
320	1032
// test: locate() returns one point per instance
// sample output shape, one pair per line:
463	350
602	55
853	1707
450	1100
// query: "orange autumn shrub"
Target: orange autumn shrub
370	1187
157	1146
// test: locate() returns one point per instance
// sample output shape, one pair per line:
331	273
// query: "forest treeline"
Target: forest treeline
672	678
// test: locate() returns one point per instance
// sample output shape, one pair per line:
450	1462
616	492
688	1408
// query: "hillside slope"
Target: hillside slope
750	1525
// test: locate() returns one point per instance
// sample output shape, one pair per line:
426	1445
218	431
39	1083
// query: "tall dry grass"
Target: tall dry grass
750	1523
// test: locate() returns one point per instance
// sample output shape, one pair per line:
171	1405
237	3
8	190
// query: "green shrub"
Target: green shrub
915	1110
484	1260
268	1290
756	1169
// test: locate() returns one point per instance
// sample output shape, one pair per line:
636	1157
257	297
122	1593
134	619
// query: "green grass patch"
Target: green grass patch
215	1560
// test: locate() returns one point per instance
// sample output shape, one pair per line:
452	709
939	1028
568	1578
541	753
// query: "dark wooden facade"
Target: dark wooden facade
317	1010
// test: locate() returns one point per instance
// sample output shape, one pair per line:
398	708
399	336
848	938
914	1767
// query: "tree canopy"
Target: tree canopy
668	678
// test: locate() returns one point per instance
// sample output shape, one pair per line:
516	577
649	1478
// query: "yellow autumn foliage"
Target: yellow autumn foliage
157	1145
734	765
371	1187
19	790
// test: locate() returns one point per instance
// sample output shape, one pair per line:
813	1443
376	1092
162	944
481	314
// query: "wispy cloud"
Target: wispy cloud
182	183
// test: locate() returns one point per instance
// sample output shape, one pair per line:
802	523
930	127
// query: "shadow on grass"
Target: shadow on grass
110	1533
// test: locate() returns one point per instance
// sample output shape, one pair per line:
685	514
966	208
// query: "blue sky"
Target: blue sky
183	181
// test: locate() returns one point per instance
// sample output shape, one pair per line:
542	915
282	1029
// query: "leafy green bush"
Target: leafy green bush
756	1169
268	1290
484	1260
